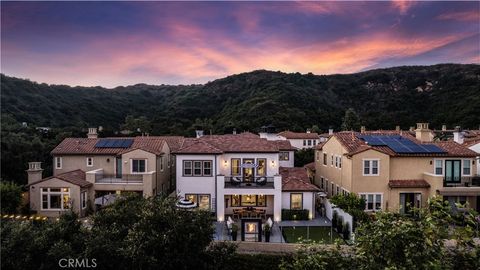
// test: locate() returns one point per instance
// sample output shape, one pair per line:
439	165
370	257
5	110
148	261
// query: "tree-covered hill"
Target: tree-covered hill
383	98
441	94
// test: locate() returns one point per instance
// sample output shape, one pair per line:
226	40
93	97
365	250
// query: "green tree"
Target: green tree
11	194
351	121
304	156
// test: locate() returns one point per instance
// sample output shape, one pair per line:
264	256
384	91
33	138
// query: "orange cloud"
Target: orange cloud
472	15
403	5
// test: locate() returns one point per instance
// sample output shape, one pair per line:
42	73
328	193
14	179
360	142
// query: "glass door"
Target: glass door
453	171
118	167
248	170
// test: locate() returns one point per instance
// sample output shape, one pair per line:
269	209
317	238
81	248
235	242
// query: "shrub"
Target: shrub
290	214
11	197
346	231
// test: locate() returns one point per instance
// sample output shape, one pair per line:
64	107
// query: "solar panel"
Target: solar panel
114	143
400	144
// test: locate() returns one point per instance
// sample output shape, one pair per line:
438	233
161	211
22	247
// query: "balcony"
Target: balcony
116	179
464	181
249	182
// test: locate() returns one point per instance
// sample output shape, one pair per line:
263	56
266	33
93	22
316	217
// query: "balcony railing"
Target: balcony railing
464	181
249	182
120	179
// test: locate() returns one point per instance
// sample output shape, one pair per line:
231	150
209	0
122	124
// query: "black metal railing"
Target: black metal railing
249	182
462	181
120	179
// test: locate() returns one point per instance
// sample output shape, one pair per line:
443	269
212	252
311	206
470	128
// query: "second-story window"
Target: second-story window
207	168
339	162
58	162
262	168
235	166
139	165
439	167
187	168
309	142
336	161
466	167
370	166
197	168
331	164
325	159
89	162
304	142
284	156
161	164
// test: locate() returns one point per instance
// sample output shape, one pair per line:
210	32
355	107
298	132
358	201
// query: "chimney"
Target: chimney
330	131
308	130
234	131
423	133
92	133
444	127
34	172
412	129
397	128
458	135
199	133
362	129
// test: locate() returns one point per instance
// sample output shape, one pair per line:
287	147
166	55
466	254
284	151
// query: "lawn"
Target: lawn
318	234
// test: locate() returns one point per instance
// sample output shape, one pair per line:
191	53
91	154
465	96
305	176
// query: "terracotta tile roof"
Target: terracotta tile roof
174	142
284	145
80	146
310	166
471	142
76	177
296	179
229	143
320	145
354	145
298	135
410	183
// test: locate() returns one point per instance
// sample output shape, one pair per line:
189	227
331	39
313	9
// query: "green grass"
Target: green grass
318	234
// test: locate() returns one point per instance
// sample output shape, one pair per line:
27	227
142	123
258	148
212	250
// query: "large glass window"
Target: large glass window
262	167
235	200
296	201
204	201
139	165
284	156
55	198
373	201
187	168
261	200
370	167
249	200
236	166
439	167
466	166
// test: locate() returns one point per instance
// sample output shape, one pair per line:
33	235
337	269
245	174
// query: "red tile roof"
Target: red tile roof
81	146
285	145
410	183
76	177
310	166
298	135
354	145
296	179
229	143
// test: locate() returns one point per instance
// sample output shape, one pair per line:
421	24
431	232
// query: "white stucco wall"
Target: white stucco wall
298	143
290	162
308	202
476	148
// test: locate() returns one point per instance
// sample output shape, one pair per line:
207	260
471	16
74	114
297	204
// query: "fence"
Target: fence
329	208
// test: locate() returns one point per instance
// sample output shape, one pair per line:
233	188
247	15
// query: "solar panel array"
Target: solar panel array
401	144
114	143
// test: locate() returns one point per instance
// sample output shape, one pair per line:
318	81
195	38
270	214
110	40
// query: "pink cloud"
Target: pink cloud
472	15
403	5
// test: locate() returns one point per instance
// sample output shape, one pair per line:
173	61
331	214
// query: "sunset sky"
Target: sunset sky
123	43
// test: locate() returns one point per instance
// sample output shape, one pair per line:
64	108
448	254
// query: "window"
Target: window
139	165
235	201
336	161
262	168
333	189
204	201
296	201
187	168
161	164
58	162
309	142
249	200
262	200
207	168
373	201
83	199
235	166
314	142
89	162
284	156
168	161
326	185
466	167
304	142
339	162
55	198
321	182
370	167
338	190
317	153
332	161
439	167
325	159
197	168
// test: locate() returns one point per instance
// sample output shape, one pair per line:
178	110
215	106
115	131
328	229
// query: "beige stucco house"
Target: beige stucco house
393	170
89	168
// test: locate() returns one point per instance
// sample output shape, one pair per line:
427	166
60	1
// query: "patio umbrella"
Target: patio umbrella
106	199
186	204
322	194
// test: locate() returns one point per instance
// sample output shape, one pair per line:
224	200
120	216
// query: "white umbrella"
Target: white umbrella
106	199
186	204
322	194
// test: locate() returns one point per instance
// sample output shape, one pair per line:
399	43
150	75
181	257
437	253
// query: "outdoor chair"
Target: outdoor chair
236	214
262	181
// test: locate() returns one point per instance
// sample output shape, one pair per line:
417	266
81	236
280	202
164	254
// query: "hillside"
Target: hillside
383	98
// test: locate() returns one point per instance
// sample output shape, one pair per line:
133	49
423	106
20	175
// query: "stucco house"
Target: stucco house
393	170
